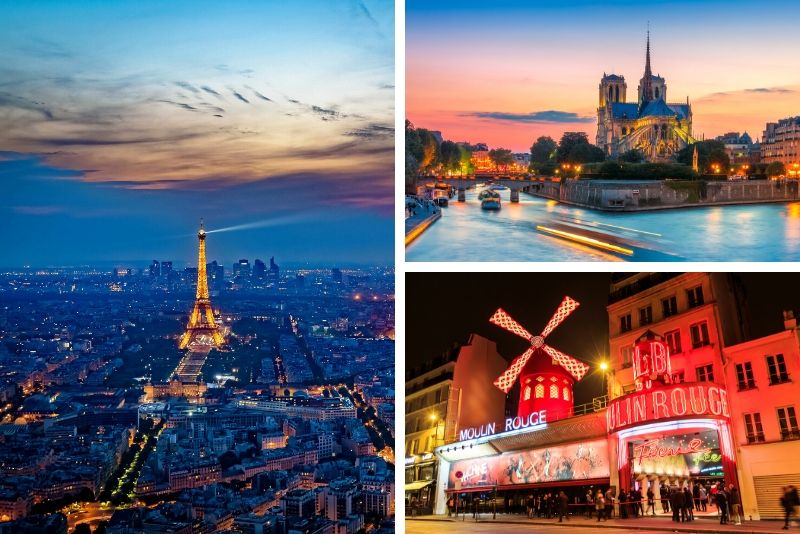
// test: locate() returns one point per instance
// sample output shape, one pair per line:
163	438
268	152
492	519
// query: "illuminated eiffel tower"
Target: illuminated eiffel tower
202	332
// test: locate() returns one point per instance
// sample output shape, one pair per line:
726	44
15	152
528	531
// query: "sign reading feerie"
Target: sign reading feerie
512	423
668	402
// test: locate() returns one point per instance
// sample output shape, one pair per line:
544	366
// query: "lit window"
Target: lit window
566	394
539	391
527	395
554	391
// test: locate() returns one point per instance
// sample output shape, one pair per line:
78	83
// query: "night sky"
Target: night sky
444	308
123	123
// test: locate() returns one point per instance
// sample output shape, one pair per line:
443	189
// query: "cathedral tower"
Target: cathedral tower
651	87
612	89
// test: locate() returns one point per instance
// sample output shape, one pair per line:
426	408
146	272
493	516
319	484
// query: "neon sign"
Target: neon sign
676	401
651	362
654	449
512	423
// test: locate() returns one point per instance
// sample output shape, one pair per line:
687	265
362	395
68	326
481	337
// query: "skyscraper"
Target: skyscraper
259	270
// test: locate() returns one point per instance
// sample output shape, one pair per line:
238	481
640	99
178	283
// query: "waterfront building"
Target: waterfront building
741	150
443	398
781	142
651	125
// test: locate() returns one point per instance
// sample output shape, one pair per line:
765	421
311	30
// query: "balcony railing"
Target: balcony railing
788	435
778	379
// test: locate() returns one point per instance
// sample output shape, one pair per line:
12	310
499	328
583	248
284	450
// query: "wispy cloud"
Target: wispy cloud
210	91
13	101
751	91
534	116
239	96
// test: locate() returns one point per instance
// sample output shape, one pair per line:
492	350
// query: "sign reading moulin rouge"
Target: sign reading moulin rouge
669	402
512	423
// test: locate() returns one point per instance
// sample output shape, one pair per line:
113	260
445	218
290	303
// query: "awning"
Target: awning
417	485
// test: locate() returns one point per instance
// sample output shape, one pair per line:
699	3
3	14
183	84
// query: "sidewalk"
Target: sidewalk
706	524
425	216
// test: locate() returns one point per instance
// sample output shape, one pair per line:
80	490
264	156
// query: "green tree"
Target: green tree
465	161
585	153
413	157
450	155
501	157
632	156
776	168
543	151
709	154
568	141
430	150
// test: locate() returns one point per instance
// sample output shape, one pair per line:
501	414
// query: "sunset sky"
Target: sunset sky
123	123
507	72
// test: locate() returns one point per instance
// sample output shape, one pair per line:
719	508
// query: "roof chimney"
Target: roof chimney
789	320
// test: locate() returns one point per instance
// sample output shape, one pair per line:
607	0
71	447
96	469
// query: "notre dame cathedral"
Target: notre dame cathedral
656	128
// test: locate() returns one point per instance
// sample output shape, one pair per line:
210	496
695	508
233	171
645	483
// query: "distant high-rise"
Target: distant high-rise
166	268
336	274
155	269
216	276
241	268
274	270
259	270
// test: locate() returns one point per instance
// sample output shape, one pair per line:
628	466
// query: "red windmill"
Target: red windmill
546	382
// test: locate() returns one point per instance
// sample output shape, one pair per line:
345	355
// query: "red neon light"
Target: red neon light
576	368
670	402
651	449
651	362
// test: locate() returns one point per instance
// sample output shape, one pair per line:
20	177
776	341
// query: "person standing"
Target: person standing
676	502
735	504
789	501
589	504
600	505
722	505
651	501
703	497
563	506
689	503
665	498
609	503
529	506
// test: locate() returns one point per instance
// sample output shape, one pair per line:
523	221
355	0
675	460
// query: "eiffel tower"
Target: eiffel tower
202	332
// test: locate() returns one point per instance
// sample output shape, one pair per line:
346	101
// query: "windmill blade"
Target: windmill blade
504	320
566	307
506	381
574	367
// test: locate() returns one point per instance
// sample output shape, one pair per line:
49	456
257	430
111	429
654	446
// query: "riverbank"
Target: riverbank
653	195
424	216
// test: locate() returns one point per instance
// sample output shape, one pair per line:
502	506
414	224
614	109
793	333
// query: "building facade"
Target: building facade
781	142
653	126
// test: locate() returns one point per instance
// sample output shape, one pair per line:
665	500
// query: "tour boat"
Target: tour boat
490	200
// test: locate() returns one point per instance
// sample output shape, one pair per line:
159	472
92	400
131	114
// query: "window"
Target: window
625	323
539	391
645	316
669	306
787	419
777	369
752	425
678	377
553	391
437	398
705	373
695	296
626	352
744	376
566	393
699	333
414	446
673	341
527	395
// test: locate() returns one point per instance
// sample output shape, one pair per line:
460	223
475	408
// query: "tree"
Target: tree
585	153
501	157
632	156
450	156
543	151
228	459
430	150
413	157
82	528
709	154
776	168
568	141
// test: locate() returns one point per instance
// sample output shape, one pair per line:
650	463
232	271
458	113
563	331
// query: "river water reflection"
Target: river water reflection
763	232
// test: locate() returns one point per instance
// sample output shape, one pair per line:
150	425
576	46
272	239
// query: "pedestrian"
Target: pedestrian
688	506
735	504
722	505
600	505
638	505
665	498
563	506
696	496
651	501
449	506
622	498
609	503
676	502
529	506
789	501
703	498
589	503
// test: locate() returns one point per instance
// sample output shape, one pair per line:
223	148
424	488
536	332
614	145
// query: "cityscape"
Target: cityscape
599	171
641	387
124	409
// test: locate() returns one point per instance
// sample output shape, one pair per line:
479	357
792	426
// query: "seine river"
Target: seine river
764	232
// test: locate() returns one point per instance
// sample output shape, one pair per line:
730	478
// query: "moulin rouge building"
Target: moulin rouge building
691	399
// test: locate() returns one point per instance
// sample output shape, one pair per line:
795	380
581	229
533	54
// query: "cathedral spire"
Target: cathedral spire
646	85
647	71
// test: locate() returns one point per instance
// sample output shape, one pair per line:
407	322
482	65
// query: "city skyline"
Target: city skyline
526	71
122	122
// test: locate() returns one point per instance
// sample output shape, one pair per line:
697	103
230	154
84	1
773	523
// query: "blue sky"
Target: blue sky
123	123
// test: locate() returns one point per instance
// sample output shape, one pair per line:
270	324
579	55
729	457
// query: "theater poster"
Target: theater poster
574	461
693	453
